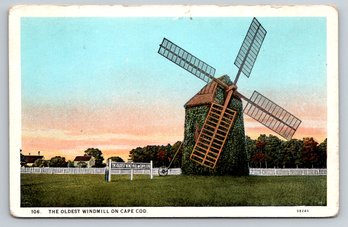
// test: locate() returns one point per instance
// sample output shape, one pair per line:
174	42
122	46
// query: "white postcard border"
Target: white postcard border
176	11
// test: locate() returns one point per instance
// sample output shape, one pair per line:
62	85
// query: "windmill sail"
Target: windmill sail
271	115
186	60
250	48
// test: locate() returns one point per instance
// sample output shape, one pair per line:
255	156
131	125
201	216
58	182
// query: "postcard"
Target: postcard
173	111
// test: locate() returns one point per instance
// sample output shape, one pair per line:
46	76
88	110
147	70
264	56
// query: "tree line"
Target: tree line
272	152
159	154
263	152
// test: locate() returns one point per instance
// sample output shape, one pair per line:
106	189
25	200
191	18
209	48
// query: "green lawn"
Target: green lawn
47	190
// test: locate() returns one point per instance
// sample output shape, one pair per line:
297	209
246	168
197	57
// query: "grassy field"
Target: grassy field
45	190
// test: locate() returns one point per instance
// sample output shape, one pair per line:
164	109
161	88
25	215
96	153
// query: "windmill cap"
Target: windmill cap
207	94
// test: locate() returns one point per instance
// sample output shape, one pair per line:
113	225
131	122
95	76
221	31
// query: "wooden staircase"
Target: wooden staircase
213	135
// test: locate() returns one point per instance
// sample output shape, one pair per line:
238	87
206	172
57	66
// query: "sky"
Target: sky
99	82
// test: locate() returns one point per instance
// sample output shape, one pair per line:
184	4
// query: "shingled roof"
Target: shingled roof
207	94
204	96
32	158
84	158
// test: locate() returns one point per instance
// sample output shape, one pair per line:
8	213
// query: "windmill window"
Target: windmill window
255	25
181	63
205	67
185	55
262	115
292	120
252	110
282	114
282	129
258	41
177	50
169	45
248	40
277	113
269	120
189	56
253	52
166	53
285	117
212	71
275	124
174	58
250	35
181	52
258	114
177	60
258	99
298	122
193	60
161	50
244	48
165	43
172	48
200	64
268	106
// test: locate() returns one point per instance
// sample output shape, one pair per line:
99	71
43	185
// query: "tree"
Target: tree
160	155
272	150
310	152
97	154
41	163
291	153
116	159
57	161
82	164
260	148
70	164
322	152
178	158
250	147
258	158
22	158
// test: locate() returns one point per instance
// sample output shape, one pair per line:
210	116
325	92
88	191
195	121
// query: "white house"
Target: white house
84	161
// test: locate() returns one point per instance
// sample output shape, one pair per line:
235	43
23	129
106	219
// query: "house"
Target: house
30	159
84	161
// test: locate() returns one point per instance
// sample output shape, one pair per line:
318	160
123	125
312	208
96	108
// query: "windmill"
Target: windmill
220	118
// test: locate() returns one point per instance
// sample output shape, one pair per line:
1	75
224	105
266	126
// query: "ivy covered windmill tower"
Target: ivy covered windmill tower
214	141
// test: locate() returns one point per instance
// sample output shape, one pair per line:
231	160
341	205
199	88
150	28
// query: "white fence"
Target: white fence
286	172
52	170
174	171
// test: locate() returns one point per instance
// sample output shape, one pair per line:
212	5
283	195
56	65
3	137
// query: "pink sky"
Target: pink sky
68	131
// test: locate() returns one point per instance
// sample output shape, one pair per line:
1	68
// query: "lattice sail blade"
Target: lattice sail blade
186	60
250	48
272	115
213	135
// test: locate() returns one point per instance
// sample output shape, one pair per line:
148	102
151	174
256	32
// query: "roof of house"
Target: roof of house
83	158
32	158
